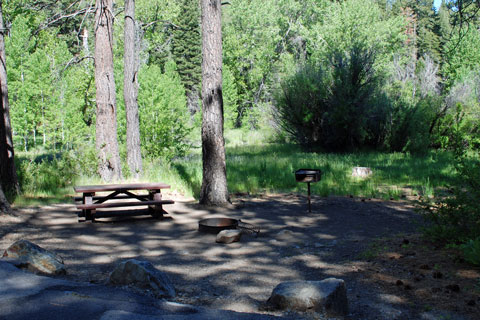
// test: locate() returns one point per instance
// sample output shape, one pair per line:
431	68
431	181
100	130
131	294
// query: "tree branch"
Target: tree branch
165	22
65	16
76	60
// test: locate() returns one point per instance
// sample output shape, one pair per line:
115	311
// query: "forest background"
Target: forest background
387	84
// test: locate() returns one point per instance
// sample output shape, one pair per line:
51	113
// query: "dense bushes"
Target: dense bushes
334	106
46	174
346	104
456	219
164	120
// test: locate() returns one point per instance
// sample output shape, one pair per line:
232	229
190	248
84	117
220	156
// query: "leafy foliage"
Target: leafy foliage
329	106
471	251
456	219
162	109
187	45
230	98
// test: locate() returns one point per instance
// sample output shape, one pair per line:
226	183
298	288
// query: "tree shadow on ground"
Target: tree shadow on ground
293	245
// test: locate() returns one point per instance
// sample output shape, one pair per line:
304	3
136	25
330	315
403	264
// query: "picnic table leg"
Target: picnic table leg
88	213
155	210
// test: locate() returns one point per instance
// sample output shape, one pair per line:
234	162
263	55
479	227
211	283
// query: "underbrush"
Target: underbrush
455	219
253	166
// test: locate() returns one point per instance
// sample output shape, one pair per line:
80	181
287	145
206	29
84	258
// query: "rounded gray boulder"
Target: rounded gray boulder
328	296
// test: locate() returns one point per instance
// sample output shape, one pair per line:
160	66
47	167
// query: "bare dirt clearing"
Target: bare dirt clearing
335	240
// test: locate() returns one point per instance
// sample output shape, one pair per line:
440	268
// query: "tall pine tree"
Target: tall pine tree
187	51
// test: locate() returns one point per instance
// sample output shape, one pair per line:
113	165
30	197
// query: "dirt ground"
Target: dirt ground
390	272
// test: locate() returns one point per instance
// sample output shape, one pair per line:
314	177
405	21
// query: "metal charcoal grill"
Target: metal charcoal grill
308	176
215	225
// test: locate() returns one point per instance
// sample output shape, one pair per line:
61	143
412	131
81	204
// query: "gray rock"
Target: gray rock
229	236
328	296
143	275
27	255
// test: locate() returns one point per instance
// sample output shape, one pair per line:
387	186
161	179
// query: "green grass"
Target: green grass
270	168
254	166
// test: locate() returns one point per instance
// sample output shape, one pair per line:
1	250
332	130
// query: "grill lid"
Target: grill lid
308	175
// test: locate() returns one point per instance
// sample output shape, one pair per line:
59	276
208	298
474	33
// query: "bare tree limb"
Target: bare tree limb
165	23
76	60
65	16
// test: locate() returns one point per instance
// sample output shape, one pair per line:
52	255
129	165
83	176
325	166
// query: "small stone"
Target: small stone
229	236
329	296
27	255
399	283
143	275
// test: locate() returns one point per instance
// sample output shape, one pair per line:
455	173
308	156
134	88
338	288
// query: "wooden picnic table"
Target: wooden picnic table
120	195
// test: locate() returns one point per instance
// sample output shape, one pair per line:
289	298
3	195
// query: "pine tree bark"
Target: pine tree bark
214	189
130	91
8	172
106	123
4	205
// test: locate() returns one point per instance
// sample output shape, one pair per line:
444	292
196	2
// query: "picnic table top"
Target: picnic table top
122	186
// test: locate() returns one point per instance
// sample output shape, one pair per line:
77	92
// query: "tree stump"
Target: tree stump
361	172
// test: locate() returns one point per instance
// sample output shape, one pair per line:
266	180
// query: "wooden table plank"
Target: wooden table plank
122	204
117	187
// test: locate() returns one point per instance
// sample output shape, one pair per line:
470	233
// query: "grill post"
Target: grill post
309	200
308	176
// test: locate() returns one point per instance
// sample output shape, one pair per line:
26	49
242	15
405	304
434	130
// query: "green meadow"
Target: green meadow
255	167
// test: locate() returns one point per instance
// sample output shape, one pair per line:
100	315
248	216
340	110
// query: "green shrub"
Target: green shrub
333	106
47	175
456	219
164	117
471	251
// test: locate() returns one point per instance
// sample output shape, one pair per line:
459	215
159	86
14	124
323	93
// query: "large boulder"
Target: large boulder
143	275
328	296
25	254
229	236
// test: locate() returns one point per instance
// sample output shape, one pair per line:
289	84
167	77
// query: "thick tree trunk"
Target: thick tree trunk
8	172
214	184
130	91
106	125
4	206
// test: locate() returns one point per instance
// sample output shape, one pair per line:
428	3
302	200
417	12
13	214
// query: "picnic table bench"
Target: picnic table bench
120	195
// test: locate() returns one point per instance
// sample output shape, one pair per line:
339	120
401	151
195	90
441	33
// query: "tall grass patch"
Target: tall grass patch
270	168
253	168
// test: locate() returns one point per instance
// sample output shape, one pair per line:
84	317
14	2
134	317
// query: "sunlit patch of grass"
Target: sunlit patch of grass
255	166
